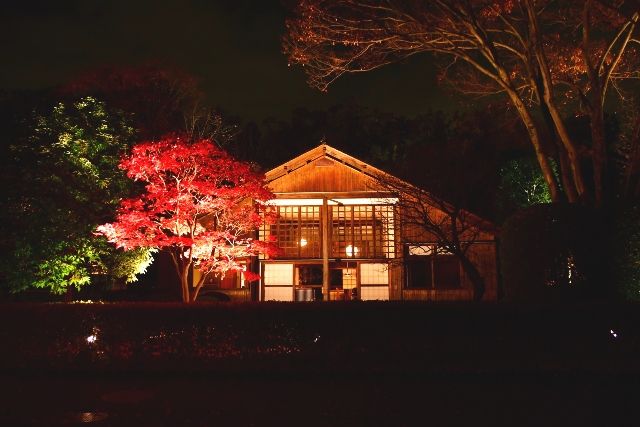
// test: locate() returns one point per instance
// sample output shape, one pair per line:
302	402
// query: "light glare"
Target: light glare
352	250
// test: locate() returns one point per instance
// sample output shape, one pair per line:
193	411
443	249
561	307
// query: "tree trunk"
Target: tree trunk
68	294
474	276
182	270
565	169
184	283
599	154
569	146
534	136
565	176
549	101
196	291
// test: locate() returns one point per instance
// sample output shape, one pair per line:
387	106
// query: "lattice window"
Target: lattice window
297	231
356	231
362	231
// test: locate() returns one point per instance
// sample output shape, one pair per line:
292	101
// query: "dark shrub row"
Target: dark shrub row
624	244
314	337
554	252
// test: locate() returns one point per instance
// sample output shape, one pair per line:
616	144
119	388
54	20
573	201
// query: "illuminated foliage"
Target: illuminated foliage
199	203
63	182
129	264
522	183
551	60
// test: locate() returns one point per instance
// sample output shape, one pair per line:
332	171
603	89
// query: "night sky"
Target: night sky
231	47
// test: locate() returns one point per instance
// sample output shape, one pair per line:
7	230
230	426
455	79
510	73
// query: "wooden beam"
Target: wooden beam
324	217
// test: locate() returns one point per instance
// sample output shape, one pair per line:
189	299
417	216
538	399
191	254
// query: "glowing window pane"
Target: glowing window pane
374	274
278	275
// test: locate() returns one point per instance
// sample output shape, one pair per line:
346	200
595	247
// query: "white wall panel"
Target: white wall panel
278	293
372	293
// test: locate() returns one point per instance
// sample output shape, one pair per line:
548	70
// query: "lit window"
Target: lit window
421	250
296	231
374	274
352	251
374	281
362	231
355	231
278	275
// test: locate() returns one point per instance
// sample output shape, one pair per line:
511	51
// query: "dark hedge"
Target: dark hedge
555	252
624	251
317	338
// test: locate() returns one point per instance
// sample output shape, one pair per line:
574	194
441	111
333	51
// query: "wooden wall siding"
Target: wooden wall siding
337	177
413	233
440	295
240	295
483	255
395	281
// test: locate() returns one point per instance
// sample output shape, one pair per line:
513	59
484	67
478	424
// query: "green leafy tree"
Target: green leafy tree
63	182
522	184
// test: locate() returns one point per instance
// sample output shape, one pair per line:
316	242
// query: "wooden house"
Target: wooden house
342	234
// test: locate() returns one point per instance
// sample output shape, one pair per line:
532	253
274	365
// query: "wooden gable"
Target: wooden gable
323	170
327	170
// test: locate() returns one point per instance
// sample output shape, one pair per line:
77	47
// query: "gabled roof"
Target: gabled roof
325	151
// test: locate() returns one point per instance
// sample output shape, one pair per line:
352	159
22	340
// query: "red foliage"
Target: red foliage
199	203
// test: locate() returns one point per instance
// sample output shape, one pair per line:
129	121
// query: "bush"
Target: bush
624	251
365	339
553	252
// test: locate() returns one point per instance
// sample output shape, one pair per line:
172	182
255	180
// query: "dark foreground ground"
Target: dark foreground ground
319	365
469	400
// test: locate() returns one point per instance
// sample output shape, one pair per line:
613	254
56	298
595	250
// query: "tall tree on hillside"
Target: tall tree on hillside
545	56
199	204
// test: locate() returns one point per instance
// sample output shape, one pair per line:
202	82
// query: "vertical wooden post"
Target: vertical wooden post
324	215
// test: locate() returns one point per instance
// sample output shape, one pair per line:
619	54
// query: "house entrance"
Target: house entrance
342	282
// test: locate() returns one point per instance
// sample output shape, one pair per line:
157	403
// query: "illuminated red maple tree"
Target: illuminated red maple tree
199	204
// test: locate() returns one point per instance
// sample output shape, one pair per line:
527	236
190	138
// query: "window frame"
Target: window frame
367	228
375	228
429	261
305	219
